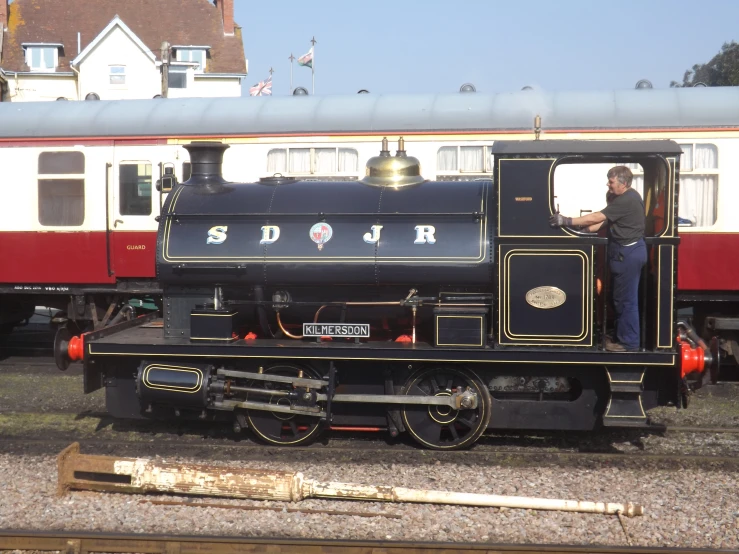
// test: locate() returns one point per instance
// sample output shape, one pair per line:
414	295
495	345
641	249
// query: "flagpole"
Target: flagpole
291	58
313	65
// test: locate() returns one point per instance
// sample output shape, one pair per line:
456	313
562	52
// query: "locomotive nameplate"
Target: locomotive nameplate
546	298
338	330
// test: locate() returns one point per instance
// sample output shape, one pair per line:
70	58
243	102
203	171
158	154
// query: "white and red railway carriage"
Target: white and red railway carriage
79	179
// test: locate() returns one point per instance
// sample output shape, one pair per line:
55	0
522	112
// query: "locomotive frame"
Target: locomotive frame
534	299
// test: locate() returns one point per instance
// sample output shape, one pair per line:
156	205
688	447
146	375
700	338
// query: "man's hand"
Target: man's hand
558	220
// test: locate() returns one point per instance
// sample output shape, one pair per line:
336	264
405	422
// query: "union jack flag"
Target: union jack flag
262	88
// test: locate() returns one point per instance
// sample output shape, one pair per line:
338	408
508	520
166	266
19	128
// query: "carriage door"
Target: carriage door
133	204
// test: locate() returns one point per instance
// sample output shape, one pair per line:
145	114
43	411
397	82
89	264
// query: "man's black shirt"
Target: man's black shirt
625	216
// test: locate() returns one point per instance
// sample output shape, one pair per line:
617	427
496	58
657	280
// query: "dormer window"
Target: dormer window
42	57
193	54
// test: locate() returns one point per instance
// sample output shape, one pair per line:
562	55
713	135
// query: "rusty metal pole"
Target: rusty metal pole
141	475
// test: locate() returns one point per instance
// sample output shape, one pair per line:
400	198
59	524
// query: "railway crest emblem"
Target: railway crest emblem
546	298
321	233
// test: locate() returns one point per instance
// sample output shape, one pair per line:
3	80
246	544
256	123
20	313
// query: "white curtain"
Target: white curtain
706	156
325	160
686	158
300	160
61	202
277	161
446	159
473	159
348	160
698	199
698	193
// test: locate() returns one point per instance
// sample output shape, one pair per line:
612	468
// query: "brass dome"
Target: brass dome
396	171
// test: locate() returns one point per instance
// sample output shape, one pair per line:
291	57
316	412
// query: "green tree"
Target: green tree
721	71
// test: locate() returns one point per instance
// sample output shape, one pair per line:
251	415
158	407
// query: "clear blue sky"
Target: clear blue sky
403	46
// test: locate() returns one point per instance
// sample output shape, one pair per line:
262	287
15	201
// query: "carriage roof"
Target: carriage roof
374	113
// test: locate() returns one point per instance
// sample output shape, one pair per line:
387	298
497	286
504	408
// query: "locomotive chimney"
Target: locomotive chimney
206	161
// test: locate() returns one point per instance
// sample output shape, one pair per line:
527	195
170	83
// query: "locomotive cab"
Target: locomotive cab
554	282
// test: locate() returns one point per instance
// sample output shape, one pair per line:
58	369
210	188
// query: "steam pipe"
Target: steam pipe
287	333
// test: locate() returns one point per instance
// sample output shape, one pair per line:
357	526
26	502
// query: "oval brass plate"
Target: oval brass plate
546	298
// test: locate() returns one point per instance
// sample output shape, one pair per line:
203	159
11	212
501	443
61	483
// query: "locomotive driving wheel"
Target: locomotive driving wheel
443	427
278	427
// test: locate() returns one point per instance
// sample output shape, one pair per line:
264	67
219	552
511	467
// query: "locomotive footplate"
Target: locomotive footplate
149	342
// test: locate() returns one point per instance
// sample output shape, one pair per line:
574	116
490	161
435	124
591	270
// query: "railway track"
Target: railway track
82	543
349	448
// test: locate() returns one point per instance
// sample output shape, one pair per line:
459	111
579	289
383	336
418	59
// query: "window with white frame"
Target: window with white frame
177	76
312	161
193	55
698	200
463	163
42	58
118	75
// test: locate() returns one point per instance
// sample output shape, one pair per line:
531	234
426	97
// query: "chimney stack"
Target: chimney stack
4	10
227	11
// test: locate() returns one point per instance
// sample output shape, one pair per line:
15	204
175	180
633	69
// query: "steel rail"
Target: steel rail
84	542
479	451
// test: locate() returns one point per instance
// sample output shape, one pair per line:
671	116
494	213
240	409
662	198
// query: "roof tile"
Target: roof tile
153	21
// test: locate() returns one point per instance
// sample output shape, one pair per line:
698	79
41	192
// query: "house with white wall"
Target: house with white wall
113	49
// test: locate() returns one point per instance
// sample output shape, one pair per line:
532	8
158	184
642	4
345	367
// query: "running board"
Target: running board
624	404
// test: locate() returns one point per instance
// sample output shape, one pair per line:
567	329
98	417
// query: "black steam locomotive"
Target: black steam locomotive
437	308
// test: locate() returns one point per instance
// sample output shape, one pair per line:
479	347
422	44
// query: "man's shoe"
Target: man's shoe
615	347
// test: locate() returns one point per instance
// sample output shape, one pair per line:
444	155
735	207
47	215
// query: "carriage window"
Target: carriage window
462	163
698	202
312	161
446	159
61	189
299	160
134	185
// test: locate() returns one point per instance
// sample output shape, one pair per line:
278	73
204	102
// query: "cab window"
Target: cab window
580	188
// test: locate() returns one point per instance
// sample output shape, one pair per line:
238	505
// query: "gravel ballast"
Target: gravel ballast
685	505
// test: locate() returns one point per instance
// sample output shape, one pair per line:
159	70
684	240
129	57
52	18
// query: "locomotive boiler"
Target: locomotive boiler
384	255
437	308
